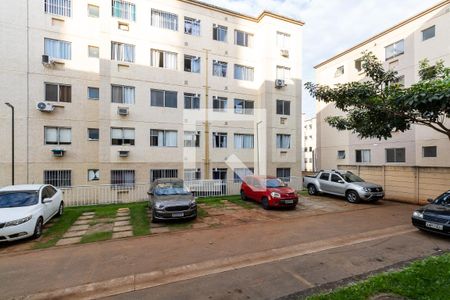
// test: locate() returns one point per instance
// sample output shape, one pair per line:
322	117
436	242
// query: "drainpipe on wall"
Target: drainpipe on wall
206	121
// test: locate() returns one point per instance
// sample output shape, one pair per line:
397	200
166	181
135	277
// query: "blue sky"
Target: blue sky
332	25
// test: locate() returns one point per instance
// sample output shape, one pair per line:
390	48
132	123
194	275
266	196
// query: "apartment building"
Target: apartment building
309	144
123	92
402	47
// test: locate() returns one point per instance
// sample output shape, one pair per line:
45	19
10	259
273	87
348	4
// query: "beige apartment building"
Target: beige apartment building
309	144
401	47
123	92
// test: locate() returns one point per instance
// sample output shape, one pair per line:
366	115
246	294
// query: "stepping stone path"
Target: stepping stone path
77	230
156	227
122	226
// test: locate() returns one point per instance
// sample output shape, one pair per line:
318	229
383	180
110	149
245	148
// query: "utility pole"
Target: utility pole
12	141
206	121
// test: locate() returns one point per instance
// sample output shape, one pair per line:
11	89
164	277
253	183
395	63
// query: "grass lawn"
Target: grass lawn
426	279
303	193
218	201
95	237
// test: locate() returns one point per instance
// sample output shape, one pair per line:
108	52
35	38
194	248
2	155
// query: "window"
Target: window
192	64
163	173
220	104
341	154
283	141
163	98
93	51
306	149
58	178
242	38
58	7
163	138
191	101
395	49
220	139
429	33
93	134
358	65
310	149
429	151
93	175
122	178
336	178
122	136
57	49
163	19
164	59
192	174
124	10
93	11
283	73
243	141
283	40
122	94
324	176
122	52
243	73
58	92
241	173
191	26
191	139
283	107
243	107
93	93
339	71
362	156
57	136
284	174
220	33
400	80
395	155
220	68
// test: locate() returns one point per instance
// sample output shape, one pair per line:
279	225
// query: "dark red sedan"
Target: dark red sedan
269	191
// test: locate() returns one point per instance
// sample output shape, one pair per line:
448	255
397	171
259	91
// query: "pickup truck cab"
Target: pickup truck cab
343	183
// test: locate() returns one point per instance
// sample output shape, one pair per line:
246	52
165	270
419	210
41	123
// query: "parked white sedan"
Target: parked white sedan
24	209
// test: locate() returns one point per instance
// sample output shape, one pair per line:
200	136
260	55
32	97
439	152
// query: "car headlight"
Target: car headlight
275	195
159	206
193	203
18	221
367	190
418	214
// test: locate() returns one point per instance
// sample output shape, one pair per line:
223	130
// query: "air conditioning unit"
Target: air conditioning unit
46	61
285	53
58	152
124	153
123	111
45	107
279	83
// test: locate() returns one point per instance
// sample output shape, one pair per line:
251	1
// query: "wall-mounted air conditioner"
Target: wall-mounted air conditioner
58	152
285	53
45	107
279	83
124	153
123	111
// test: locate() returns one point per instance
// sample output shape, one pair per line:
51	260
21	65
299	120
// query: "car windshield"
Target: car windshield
443	200
18	199
168	189
350	177
274	183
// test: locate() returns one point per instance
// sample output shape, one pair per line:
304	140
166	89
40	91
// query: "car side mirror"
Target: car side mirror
47	200
430	200
150	193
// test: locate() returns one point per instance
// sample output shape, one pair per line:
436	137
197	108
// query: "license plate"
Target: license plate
177	215
289	201
434	226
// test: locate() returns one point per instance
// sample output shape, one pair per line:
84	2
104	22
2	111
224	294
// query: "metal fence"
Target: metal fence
113	194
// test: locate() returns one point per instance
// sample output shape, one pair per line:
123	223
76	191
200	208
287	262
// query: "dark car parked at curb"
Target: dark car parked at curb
434	217
170	200
269	191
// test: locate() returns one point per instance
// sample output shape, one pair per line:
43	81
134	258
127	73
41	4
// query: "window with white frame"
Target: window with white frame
220	104
93	11
341	154
243	73
362	156
122	52
123	178
93	134
283	107
163	138
429	33
283	141
283	73
245	107
244	141
162	98
242	38
220	33
220	139
93	174
122	136
283	40
124	10
163	173
191	101
191	26
58	7
56	92
358	64
192	174
164	59
240	173
339	71
93	51
57	135
429	151
192	139
395	155
122	94
58	178
93	93
164	19
395	49
57	49
192	64
284	174
220	68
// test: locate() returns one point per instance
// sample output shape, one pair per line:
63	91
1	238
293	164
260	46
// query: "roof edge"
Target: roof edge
395	27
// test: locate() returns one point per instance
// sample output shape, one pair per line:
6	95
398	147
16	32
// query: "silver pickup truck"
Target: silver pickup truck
343	183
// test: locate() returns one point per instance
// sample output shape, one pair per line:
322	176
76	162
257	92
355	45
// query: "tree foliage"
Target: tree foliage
379	104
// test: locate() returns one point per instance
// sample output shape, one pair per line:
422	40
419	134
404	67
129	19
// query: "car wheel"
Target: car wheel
265	203
312	190
38	228
61	209
243	196
352	197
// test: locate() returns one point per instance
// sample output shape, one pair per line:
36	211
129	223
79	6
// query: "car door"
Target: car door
47	207
53	194
337	185
259	189
324	183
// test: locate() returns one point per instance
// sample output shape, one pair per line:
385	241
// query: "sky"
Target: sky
332	26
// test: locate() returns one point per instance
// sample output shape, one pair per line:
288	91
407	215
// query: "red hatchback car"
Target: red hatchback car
269	191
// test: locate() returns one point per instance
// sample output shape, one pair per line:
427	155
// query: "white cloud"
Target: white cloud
332	25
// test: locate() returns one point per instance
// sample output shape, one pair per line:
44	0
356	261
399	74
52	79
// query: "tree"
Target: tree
379	105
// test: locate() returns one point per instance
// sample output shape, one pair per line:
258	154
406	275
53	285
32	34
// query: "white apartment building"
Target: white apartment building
401	47
309	144
124	92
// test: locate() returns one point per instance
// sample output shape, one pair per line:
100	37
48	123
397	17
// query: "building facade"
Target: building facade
122	92
401	48
309	144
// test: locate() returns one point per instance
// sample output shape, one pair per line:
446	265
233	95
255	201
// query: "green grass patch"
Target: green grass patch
139	219
303	193
96	237
201	213
219	201
426	279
